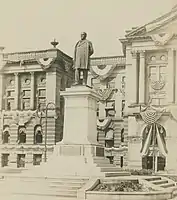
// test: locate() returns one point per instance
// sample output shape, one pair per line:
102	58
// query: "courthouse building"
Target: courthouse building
29	81
137	112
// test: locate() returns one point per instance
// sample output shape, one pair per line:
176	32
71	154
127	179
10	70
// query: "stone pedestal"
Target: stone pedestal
80	120
78	153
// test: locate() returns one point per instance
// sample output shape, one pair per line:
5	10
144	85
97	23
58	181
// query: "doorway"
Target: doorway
148	163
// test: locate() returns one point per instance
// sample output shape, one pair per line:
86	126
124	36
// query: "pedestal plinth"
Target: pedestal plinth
80	120
79	152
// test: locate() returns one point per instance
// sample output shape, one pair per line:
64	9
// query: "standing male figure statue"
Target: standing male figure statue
83	51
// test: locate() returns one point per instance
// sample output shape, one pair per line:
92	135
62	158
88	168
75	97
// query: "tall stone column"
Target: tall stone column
118	96
1	91
133	88
16	106
1	77
142	78
170	77
32	91
175	74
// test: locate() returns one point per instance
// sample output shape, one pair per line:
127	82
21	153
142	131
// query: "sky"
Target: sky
27	25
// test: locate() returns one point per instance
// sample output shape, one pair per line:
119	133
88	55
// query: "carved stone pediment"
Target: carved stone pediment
161	30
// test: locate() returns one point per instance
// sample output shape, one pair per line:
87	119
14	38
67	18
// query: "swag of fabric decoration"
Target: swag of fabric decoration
102	125
150	116
104	93
102	74
45	62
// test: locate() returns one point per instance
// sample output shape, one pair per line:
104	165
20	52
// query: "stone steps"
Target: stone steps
162	182
51	192
111	169
159	182
105	165
61	188
167	185
101	161
116	174
153	178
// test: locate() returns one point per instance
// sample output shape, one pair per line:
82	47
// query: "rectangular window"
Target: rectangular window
10	104
123	107
37	159
4	160
20	160
110	108
26	93
109	143
121	161
10	93
26	104
123	82
42	93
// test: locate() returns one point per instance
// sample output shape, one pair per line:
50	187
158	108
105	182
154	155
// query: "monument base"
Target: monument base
79	153
73	160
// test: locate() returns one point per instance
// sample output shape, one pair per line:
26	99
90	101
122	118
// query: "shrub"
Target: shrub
123	186
141	172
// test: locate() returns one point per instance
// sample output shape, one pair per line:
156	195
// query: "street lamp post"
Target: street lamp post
46	117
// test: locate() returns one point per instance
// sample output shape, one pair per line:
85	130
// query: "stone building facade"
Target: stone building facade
138	110
29	81
107	77
151	93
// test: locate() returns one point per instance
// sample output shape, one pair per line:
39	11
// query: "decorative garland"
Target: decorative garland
21	118
104	93
102	73
150	116
104	124
45	62
161	40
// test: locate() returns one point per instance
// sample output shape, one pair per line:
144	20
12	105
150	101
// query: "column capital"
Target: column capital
142	53
16	73
134	54
32	73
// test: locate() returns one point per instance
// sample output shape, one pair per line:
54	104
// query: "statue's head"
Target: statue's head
83	35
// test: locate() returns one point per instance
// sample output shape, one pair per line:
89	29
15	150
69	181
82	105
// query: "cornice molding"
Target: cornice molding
110	60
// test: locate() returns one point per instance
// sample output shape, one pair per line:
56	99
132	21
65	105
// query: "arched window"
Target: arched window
109	138
5	134
38	137
122	135
21	134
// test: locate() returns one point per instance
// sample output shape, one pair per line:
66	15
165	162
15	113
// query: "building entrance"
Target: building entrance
154	163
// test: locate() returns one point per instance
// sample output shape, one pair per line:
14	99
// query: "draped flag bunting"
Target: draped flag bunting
102	73
150	115
161	143
103	124
46	62
146	145
104	93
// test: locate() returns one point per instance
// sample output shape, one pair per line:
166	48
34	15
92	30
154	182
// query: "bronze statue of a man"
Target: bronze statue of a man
83	51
